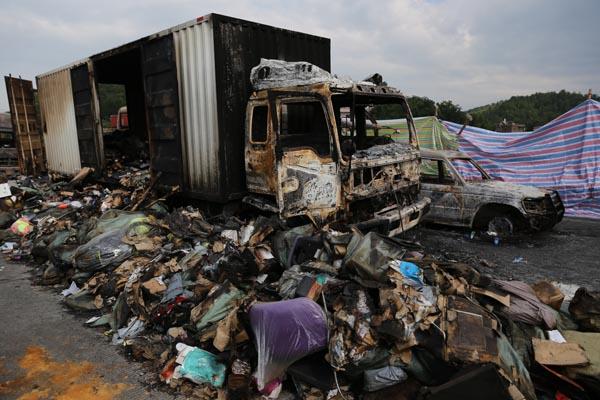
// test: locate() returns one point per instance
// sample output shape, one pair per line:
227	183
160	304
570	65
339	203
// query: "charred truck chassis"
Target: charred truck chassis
307	173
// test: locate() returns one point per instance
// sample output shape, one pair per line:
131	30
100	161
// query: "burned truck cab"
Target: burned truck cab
311	150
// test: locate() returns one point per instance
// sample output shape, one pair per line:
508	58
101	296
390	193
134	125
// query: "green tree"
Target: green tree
419	106
448	111
112	97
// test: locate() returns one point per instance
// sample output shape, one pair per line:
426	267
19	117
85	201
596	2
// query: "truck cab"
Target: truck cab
309	152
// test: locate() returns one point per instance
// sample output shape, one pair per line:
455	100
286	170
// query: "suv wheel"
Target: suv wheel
503	225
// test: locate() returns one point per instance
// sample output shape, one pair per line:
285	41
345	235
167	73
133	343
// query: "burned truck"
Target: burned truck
305	161
300	149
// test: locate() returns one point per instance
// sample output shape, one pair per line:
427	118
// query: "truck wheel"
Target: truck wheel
503	225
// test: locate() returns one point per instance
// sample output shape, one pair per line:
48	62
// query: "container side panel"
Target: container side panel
85	118
58	115
162	109
197	92
25	123
239	46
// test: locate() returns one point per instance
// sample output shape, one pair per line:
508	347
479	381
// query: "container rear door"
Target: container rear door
90	149
25	122
162	109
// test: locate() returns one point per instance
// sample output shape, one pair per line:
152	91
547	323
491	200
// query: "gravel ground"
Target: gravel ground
569	253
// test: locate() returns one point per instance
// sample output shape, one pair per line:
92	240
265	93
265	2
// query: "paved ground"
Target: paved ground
569	253
46	352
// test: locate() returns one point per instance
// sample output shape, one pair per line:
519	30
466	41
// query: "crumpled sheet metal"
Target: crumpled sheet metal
525	306
284	332
269	74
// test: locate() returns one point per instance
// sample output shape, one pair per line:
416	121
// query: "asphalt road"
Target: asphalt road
46	352
569	253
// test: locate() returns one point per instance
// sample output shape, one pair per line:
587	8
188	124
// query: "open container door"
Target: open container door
89	130
308	179
25	122
162	109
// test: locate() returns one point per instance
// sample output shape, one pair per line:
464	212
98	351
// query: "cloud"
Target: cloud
470	51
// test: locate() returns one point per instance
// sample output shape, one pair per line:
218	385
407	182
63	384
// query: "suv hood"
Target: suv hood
505	189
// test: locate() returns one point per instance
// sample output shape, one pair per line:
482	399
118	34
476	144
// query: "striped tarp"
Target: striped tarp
563	155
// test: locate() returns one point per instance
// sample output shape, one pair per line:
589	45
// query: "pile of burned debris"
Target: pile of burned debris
243	306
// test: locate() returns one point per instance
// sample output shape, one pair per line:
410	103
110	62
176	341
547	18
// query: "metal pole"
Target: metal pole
27	124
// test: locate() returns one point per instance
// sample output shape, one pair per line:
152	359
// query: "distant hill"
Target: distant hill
532	110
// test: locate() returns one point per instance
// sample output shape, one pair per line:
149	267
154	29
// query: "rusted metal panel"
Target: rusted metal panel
59	126
194	49
261	172
308	185
162	109
85	101
25	123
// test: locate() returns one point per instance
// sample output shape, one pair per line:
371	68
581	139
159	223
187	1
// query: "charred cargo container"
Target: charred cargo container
186	90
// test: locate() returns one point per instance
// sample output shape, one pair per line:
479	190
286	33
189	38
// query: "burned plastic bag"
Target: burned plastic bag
113	220
106	250
109	250
370	256
284	332
377	379
198	366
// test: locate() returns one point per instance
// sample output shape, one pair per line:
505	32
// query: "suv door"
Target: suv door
307	174
445	191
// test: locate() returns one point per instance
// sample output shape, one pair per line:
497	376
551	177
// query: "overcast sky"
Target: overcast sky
472	52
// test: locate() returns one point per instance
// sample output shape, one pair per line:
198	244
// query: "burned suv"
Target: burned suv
463	194
308	152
